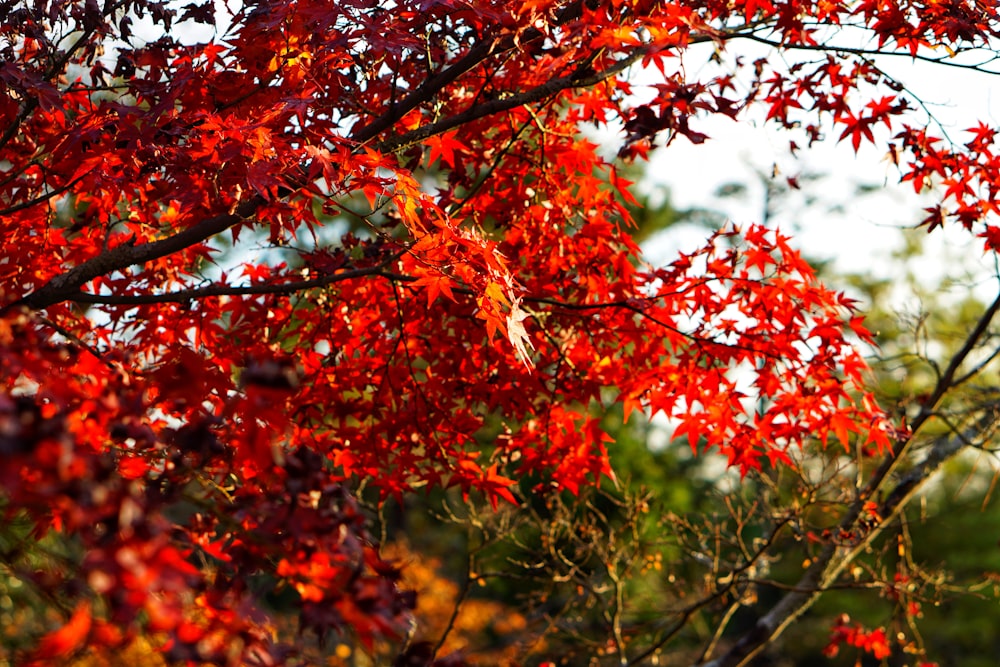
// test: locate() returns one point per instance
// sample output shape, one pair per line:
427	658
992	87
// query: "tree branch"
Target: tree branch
14	208
67	285
834	558
499	105
824	47
429	88
184	296
947	379
476	55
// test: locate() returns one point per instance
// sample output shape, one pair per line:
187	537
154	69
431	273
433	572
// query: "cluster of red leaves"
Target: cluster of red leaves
189	409
85	458
874	641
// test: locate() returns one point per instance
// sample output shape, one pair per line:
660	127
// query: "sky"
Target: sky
855	232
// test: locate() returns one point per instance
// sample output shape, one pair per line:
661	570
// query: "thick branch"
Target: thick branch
499	105
476	55
947	379
942	450
184	296
429	88
67	285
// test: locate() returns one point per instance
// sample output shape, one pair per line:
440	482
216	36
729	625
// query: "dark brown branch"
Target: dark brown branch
942	450
287	288
70	336
57	66
947	379
476	56
428	89
379	270
67	286
41	198
502	104
184	296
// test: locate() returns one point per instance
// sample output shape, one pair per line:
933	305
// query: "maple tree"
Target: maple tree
340	244
678	558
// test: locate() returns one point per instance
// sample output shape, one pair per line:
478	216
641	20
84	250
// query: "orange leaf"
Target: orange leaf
69	638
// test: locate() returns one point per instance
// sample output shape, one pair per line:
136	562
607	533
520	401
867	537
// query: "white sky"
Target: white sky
859	236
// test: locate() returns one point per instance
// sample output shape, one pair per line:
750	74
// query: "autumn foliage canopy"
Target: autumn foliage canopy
256	256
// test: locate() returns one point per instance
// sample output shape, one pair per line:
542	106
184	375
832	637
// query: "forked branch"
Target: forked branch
835	558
